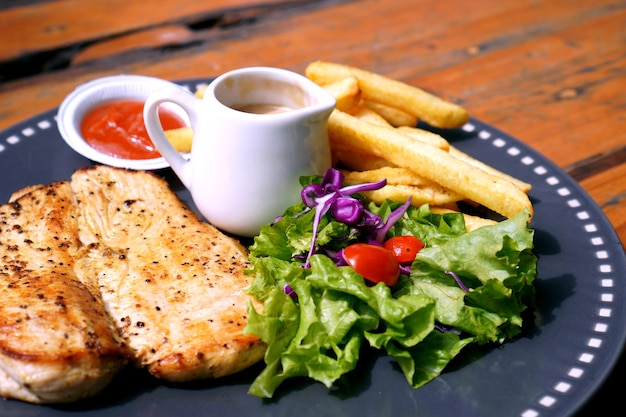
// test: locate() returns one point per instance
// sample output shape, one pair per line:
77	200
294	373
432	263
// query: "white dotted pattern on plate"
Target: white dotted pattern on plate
605	270
27	132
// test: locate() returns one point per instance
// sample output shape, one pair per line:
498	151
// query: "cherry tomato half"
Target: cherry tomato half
404	248
374	263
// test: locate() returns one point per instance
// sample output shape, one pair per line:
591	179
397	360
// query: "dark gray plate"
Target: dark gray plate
553	369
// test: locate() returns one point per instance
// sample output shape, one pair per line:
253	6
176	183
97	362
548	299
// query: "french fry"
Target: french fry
180	138
368	115
377	88
358	160
400	193
347	93
201	90
471	222
493	192
393	115
524	186
425	136
393	175
402	183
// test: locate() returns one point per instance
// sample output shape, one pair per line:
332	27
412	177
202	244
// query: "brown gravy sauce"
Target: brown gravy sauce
261	108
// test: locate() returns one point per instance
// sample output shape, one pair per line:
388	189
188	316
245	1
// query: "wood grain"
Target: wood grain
56	24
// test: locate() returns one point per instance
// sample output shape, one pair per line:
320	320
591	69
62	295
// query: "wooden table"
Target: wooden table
549	72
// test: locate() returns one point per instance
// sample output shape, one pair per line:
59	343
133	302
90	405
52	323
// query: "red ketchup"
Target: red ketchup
117	129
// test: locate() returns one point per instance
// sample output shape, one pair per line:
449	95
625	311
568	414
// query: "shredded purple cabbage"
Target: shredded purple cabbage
330	197
289	291
458	280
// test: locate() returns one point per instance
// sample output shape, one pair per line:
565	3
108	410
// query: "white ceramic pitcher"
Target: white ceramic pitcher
256	131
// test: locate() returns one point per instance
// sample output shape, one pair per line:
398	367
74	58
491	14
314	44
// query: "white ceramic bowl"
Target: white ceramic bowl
100	91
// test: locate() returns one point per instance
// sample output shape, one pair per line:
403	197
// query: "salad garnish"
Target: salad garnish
458	280
330	196
319	313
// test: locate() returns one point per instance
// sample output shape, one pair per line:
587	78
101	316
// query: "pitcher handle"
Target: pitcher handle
187	101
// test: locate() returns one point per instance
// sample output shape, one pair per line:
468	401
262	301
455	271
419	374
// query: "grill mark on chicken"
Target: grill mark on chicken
116	268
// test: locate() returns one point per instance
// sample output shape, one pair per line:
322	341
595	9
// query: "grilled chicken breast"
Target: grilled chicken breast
172	283
111	268
57	344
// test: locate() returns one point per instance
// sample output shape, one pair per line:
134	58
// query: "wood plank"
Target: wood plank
608	189
160	37
585	168
55	24
568	85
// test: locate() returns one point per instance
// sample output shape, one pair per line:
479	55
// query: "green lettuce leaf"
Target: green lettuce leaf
423	322
496	263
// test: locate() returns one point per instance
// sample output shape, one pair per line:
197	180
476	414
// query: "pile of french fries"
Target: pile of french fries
374	136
